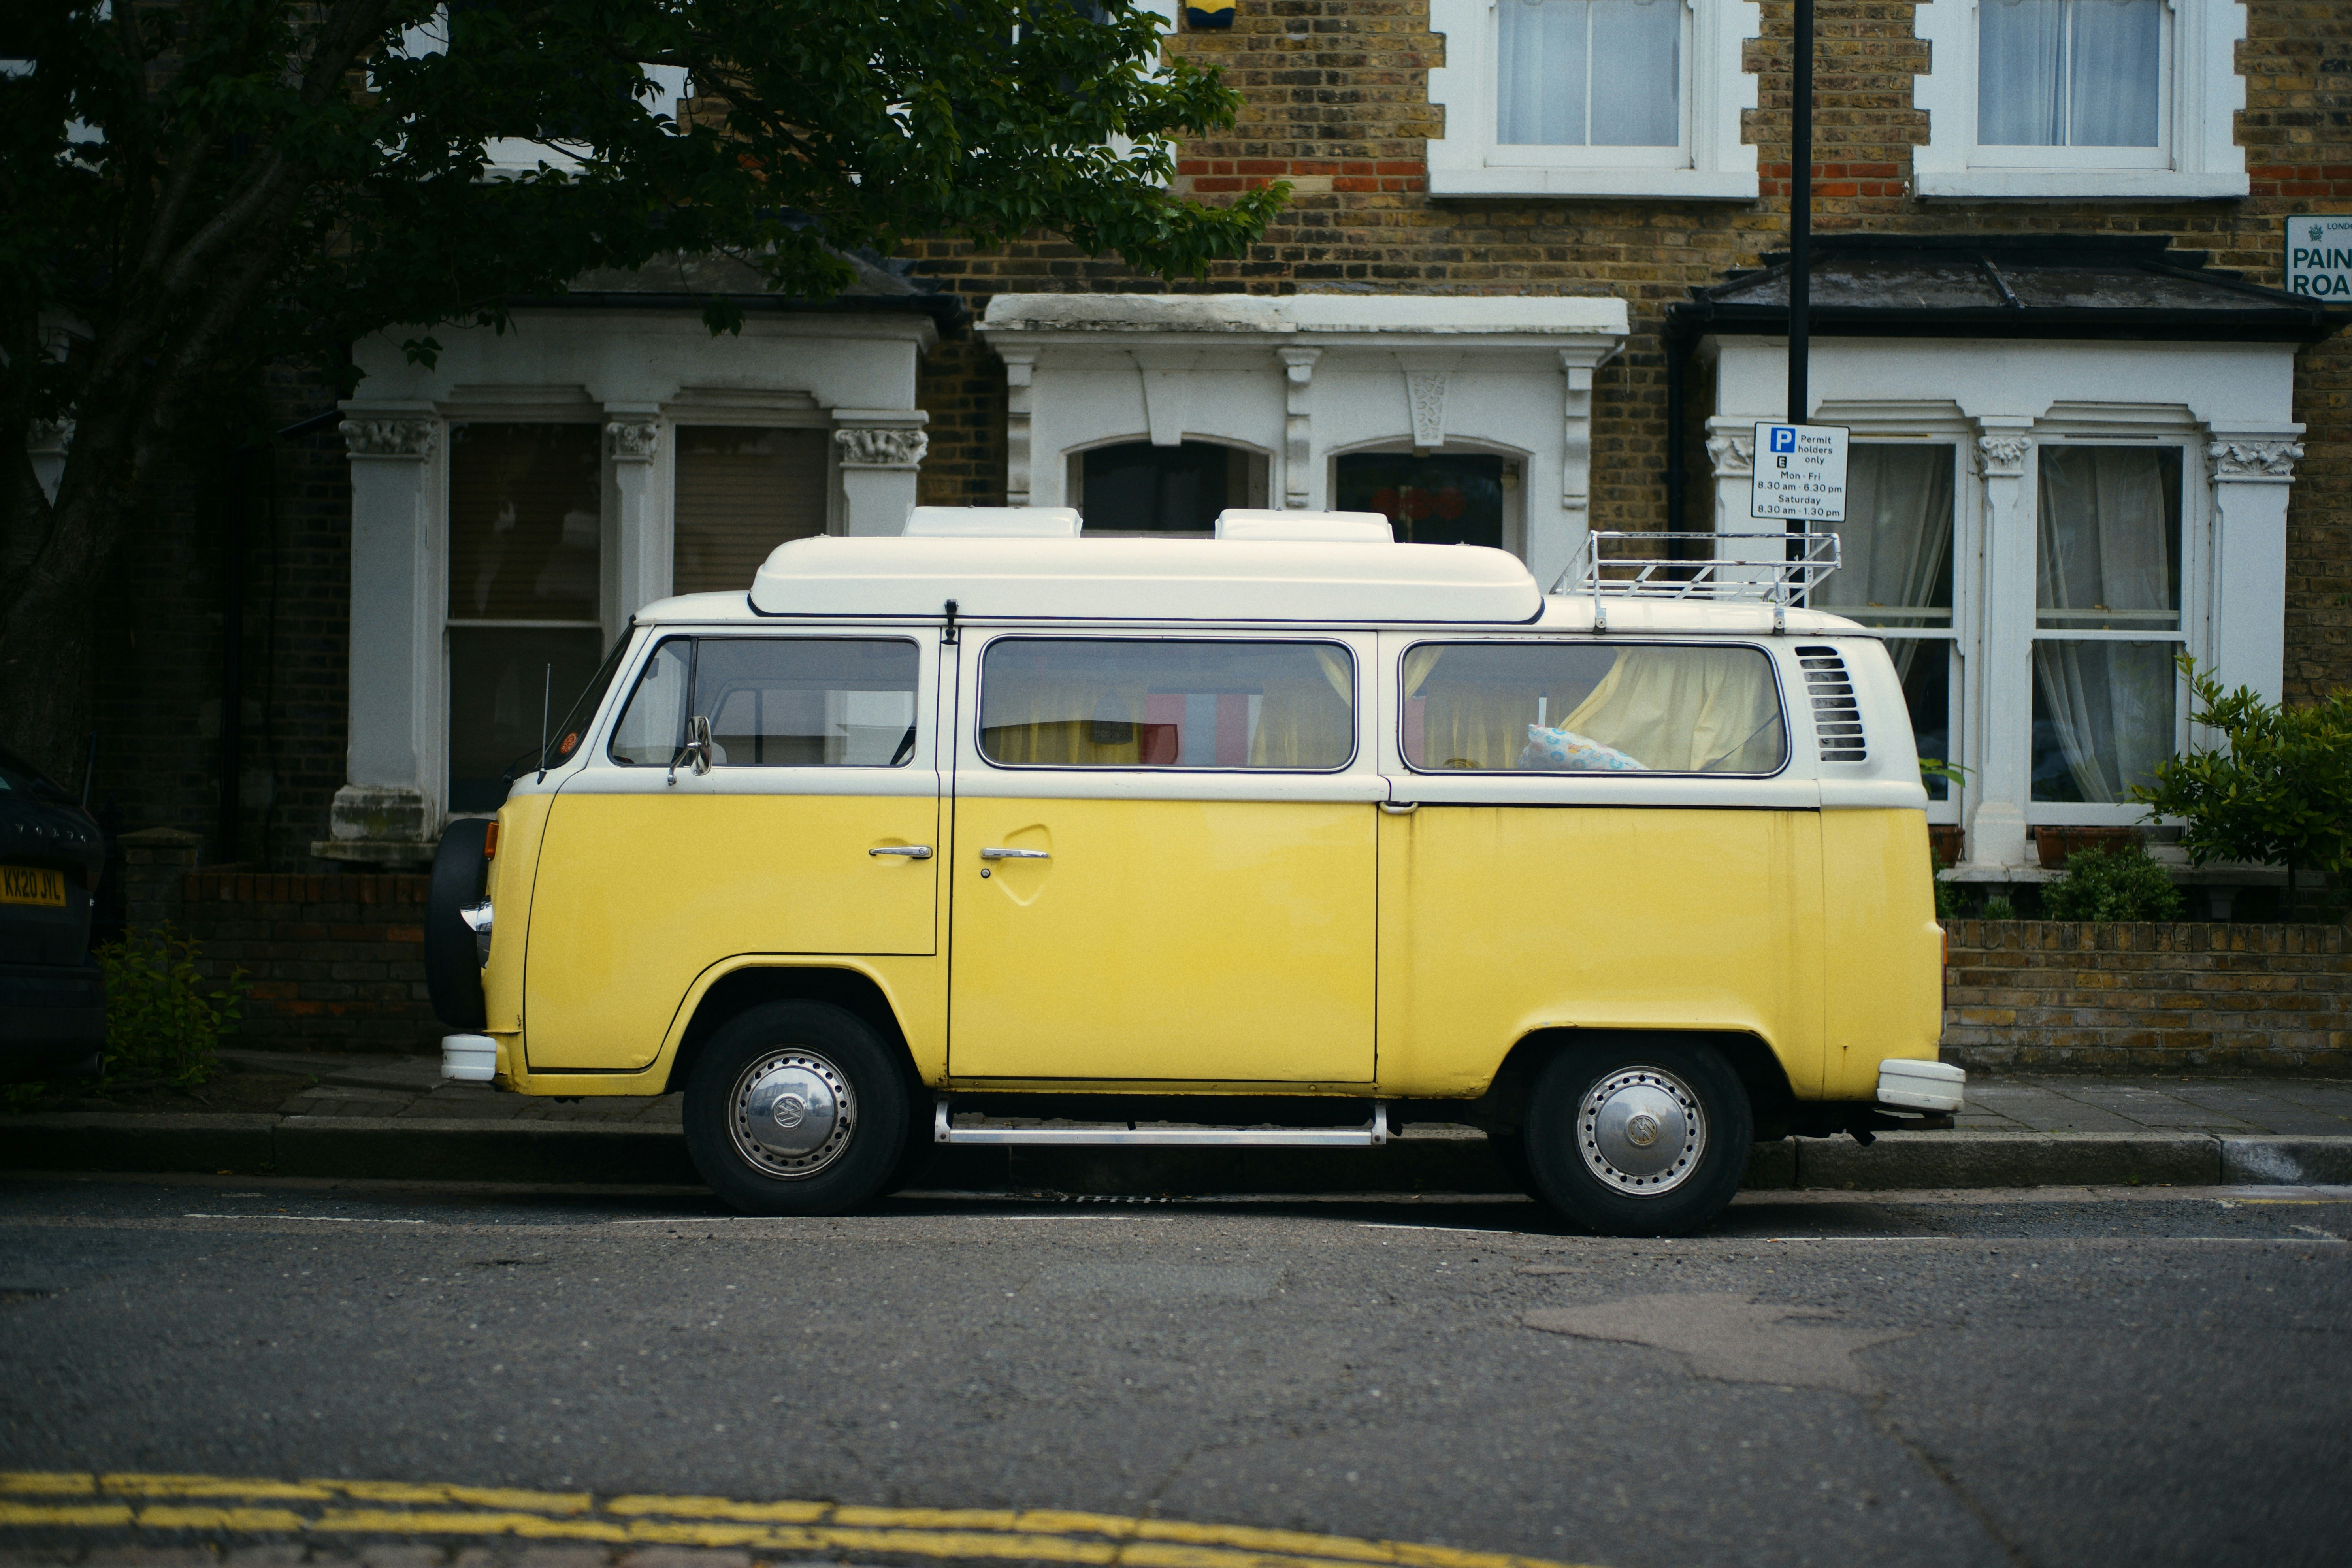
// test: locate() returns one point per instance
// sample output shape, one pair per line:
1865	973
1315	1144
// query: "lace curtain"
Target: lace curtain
2069	73
1675	709
1895	548
1598	73
2107	557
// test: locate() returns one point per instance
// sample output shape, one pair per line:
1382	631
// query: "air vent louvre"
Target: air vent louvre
1837	714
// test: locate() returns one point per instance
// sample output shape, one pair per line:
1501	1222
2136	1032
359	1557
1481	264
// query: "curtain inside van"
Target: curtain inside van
1147	702
1669	709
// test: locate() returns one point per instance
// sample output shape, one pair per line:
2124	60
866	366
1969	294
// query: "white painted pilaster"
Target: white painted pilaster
2001	724
1019	367
640	545
2253	474
1302	480
881	451
390	810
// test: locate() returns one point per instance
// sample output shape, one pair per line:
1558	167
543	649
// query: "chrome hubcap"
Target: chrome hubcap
1640	1130
792	1113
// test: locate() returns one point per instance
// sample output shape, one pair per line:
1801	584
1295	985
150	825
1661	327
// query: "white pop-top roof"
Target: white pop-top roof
1229	580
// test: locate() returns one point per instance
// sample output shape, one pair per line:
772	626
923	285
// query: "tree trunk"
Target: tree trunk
46	691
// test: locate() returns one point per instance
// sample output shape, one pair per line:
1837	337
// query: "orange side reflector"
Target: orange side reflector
491	843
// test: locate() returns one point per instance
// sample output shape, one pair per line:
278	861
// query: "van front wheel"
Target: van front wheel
795	1107
1639	1140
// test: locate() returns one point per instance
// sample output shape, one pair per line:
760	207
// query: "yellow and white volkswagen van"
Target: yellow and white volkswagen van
1293	835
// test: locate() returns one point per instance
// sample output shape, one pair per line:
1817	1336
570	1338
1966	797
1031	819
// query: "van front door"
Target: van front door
1164	862
812	830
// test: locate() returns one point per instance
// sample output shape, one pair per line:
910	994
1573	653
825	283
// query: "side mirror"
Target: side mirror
697	750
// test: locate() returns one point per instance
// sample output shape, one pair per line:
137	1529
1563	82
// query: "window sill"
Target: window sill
1672	184
2032	184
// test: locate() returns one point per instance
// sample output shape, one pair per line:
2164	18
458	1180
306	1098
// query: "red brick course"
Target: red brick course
2139	997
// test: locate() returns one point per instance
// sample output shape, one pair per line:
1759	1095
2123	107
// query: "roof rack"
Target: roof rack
1774	568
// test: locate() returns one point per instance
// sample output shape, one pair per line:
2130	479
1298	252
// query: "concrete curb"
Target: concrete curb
427	1149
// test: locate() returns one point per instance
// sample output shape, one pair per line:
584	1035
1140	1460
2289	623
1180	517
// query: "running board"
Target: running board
945	1131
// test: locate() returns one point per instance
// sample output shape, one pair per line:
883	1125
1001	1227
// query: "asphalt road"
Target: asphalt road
2083	1377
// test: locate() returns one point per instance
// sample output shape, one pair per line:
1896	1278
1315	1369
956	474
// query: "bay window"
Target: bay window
2107	623
1895	546
525	617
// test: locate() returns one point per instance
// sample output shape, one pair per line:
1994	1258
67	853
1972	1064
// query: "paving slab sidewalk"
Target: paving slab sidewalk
395	1117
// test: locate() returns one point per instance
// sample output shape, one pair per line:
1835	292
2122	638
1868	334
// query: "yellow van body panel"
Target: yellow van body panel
1883	949
916	987
728	874
1499	920
521	822
1186	941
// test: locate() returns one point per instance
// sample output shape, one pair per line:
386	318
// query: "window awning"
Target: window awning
2007	285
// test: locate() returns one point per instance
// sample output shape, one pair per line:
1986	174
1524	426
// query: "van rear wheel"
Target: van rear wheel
1639	1140
795	1107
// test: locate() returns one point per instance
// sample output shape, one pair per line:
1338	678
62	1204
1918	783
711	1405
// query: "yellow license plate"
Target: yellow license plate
32	885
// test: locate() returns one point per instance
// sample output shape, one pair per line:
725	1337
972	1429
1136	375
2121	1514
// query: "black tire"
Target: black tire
1663	1187
453	963
827	1058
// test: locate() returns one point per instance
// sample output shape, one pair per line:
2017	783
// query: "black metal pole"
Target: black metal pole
232	697
1800	216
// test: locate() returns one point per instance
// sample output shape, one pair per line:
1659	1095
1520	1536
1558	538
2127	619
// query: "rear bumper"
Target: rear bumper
52	1017
1922	1086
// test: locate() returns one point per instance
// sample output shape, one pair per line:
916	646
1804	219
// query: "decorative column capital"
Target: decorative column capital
2003	457
1731	456
2254	462
632	440
1298	365
411	439
881	446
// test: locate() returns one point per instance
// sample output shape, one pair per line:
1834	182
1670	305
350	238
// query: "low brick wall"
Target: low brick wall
2149	997
336	962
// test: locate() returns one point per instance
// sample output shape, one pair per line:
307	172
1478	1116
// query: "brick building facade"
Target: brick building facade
1338	103
349	707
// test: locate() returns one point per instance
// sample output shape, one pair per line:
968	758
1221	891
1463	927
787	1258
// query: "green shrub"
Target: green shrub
1996	907
2120	884
2277	792
165	1019
1949	902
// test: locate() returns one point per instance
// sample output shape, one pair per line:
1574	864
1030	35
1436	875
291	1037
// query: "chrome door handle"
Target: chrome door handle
911	851
1016	855
1400	808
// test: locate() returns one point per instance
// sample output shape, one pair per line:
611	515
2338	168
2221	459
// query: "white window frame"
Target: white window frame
1711	164
2196	155
2151	426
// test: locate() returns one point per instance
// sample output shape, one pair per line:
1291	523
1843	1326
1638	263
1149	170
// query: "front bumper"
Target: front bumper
470	1059
1932	1087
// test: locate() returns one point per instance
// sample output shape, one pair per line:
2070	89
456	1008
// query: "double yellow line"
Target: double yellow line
80	1500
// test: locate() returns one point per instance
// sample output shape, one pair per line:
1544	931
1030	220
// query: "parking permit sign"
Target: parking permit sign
1800	473
2319	257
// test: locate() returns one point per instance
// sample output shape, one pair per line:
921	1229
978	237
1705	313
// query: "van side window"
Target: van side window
796	702
1494	707
1134	702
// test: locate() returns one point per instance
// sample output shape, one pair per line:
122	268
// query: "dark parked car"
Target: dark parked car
52	997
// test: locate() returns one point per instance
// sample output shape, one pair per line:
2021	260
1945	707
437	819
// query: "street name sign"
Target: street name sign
2319	256
1800	473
